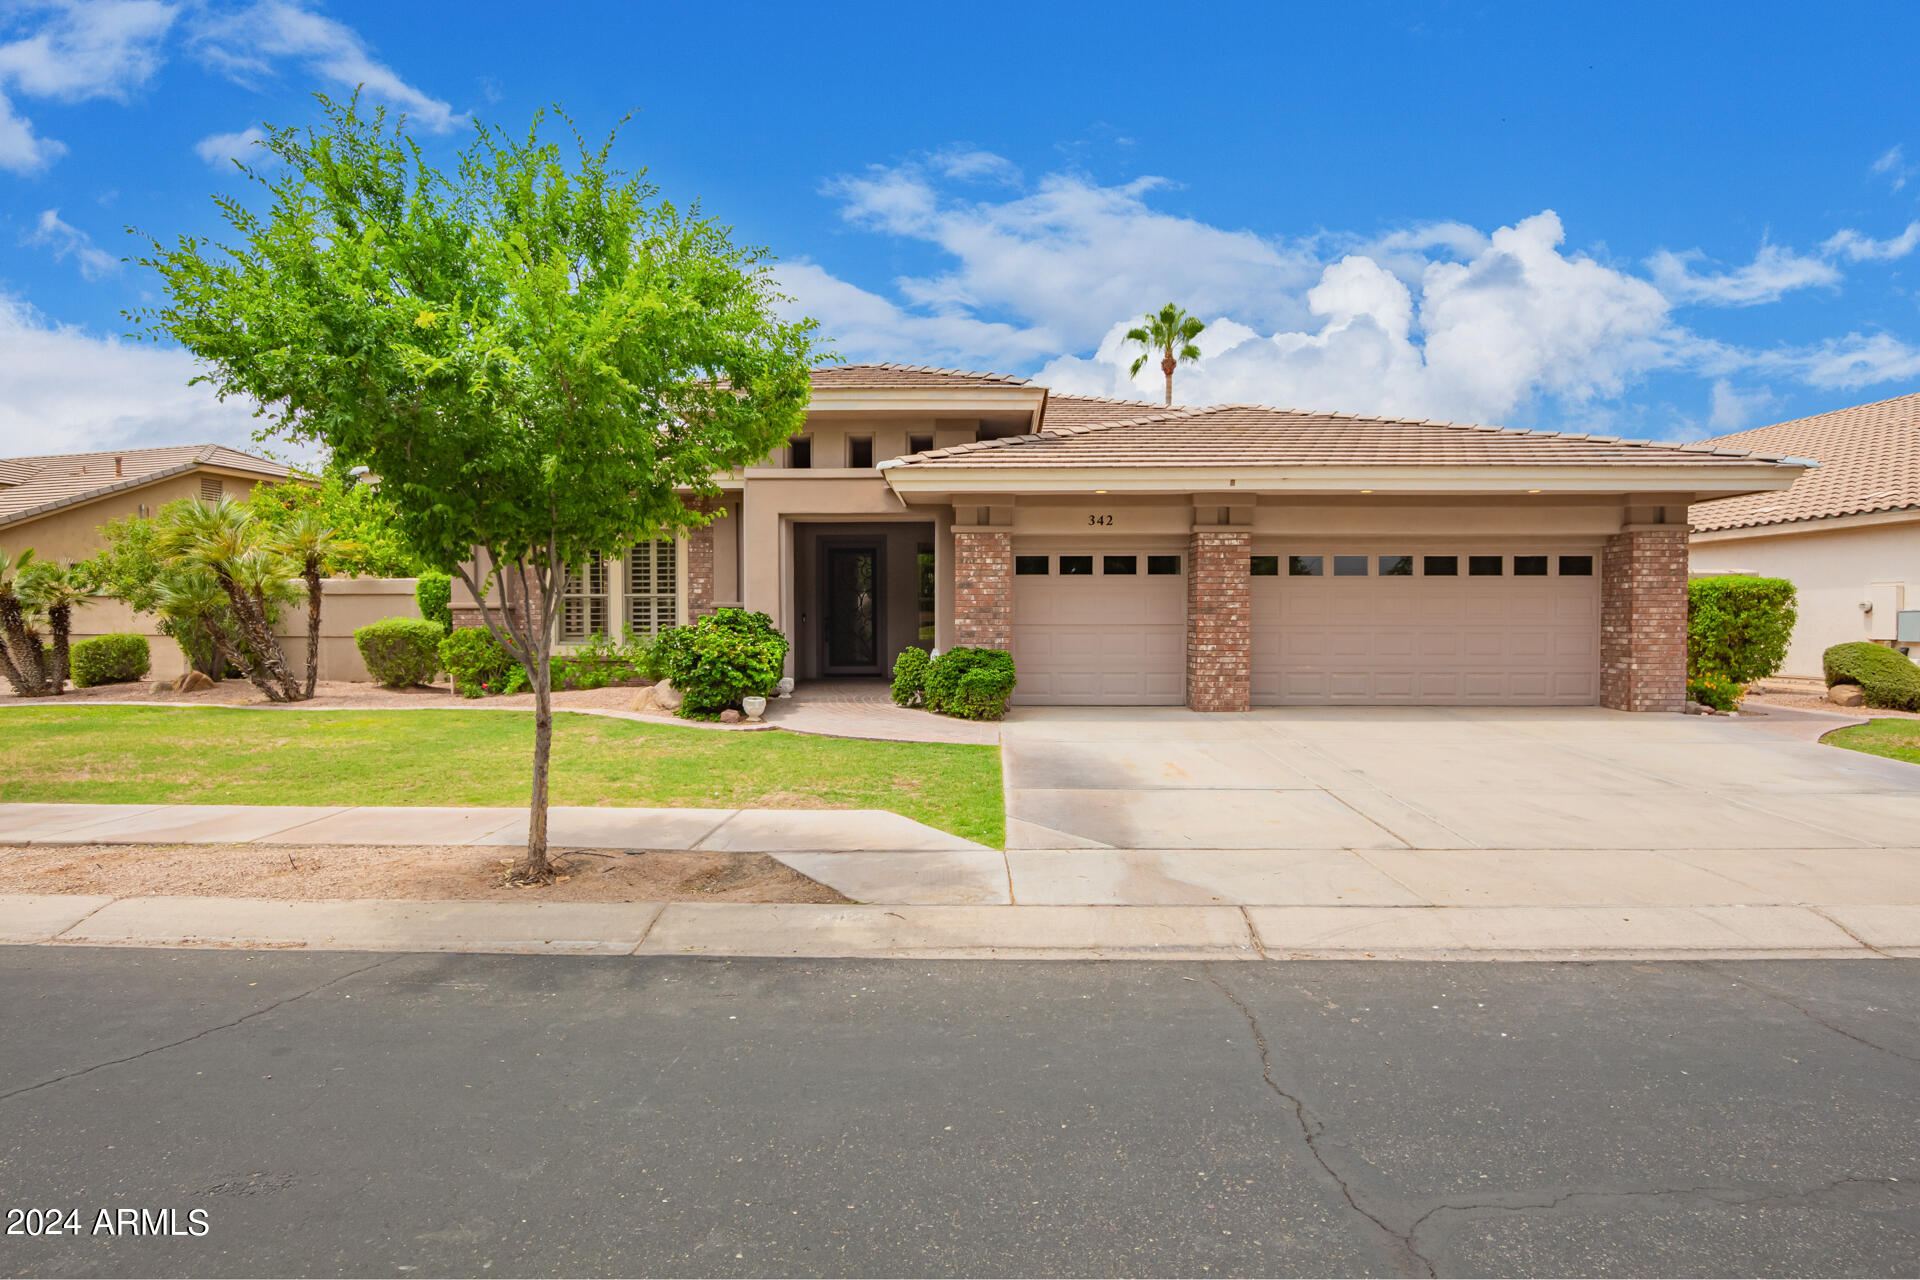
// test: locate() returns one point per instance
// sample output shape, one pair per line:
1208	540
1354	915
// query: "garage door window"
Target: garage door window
1529	566
1161	565
1396	566
1442	566
1264	566
1115	565
1304	566
1484	566
1030	566
1076	566
1576	566
1349	566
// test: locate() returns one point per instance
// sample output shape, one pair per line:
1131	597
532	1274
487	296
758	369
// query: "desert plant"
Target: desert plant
1738	628
943	677
225	541
22	648
910	676
433	592
50	592
111	659
307	541
1887	678
728	655
476	662
400	652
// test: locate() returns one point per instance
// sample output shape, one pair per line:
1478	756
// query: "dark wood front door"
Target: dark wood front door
851	611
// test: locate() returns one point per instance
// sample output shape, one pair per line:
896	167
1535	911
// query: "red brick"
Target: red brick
1643	620
1219	621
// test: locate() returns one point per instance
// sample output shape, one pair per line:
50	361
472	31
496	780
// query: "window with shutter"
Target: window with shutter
583	602
652	602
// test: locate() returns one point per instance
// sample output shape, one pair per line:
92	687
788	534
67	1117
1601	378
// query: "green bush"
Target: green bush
476	661
982	694
433	591
1886	677
910	676
109	659
1737	630
728	655
950	668
1710	689
400	652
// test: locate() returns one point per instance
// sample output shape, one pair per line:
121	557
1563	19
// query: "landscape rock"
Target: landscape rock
1846	695
1696	708
666	697
643	700
160	686
730	716
192	682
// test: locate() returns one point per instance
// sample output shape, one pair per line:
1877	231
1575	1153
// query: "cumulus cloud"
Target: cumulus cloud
1862	248
1774	271
1735	410
221	149
1857	360
80	49
64	241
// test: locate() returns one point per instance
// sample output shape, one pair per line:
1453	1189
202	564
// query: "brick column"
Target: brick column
1643	620
1219	620
699	572
983	588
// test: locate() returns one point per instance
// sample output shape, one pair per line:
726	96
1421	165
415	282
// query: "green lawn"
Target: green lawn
154	755
1889	736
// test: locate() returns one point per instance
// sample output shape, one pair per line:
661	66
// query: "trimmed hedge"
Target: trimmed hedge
477	663
723	657
1886	677
433	592
910	676
949	691
109	659
1737	632
400	652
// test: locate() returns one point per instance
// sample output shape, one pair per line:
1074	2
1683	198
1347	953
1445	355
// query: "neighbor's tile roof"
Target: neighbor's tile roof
1869	459
34	486
1256	435
835	376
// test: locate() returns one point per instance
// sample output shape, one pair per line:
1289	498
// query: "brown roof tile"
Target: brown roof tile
1869	458
49	481
835	376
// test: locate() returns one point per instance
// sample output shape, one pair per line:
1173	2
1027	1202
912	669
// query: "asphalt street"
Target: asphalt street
380	1115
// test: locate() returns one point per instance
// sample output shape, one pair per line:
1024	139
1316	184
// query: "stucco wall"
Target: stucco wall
1833	570
73	533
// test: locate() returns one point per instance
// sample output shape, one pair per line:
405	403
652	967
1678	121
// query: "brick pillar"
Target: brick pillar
699	572
1219	620
1643	620
983	588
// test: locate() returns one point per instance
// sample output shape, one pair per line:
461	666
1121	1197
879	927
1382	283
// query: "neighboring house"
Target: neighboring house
1218	557
1847	534
56	503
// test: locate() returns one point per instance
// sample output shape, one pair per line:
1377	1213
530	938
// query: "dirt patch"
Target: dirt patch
437	873
1818	702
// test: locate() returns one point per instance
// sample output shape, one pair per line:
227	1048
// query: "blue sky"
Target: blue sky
1664	221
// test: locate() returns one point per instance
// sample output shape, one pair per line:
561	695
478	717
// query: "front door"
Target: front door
851	609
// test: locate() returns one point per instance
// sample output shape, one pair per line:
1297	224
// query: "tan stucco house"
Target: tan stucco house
1221	557
1847	534
56	503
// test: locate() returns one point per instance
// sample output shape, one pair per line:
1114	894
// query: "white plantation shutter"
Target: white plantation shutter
583	602
651	587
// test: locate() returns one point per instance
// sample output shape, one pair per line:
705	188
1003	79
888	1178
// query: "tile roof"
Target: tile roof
1869	459
1257	435
33	486
835	376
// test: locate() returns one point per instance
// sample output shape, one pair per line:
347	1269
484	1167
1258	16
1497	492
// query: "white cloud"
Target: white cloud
1893	166
21	149
864	326
1861	248
1857	360
221	149
67	241
88	49
243	42
64	390
1774	271
1735	410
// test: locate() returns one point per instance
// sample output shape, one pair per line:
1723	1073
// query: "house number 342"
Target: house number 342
1099	519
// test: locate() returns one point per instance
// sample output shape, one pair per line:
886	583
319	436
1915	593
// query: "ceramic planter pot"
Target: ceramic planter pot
755	707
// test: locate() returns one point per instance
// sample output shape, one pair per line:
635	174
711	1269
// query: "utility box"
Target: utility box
1908	627
1886	601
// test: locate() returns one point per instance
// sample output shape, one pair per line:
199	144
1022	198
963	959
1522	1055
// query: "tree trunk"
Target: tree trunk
60	618
1167	366
313	625
535	867
270	661
11	672
28	656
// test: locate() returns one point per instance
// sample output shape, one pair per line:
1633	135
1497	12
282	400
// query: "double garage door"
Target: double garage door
1496	625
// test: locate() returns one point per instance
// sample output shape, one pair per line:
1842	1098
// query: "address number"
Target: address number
1099	519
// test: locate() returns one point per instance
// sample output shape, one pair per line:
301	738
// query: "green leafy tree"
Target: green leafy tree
367	540
540	358
1169	332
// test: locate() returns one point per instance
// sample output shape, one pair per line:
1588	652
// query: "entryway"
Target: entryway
862	593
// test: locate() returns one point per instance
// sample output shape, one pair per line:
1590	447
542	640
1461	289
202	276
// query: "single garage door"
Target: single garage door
1099	627
1492	625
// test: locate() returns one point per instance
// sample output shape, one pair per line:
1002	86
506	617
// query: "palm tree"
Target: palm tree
52	591
308	542
196	613
23	657
1170	332
225	541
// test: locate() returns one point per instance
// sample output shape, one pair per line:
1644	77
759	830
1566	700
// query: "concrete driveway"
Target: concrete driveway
1447	806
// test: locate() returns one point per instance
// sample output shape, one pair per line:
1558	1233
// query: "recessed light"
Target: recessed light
1533	491
1099	490
1366	491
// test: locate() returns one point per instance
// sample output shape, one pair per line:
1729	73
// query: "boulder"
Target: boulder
1846	695
1696	708
730	716
192	682
666	697
643	701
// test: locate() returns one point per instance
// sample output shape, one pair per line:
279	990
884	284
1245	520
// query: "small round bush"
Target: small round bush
1886	677
109	659
910	675
476	661
400	652
982	694
433	592
944	676
715	662
1738	627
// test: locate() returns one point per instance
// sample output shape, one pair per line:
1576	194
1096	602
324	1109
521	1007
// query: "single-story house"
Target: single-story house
1222	557
1847	534
56	503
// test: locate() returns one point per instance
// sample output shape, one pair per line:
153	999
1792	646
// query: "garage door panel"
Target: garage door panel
1099	639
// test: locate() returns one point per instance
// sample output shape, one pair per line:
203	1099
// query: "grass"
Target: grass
1889	736
156	755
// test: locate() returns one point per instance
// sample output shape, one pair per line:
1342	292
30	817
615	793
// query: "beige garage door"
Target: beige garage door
1494	625
1105	626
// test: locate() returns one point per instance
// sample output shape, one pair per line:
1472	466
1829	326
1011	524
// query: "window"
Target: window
1030	566
1396	566
1529	566
1076	566
1349	566
1157	565
1264	566
1304	566
652	596
859	451
583	601
1484	566
923	561
1576	566
210	490
1442	566
1117	565
919	444
800	453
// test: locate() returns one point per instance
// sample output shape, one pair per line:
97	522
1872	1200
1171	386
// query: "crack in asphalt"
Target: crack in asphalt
1811	1016
162	1048
1299	1109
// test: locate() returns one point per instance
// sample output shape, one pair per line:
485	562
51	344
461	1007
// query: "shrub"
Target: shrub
982	694
728	655
947	671
476	661
401	651
1737	629
910	676
433	591
1710	689
1886	677
109	659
